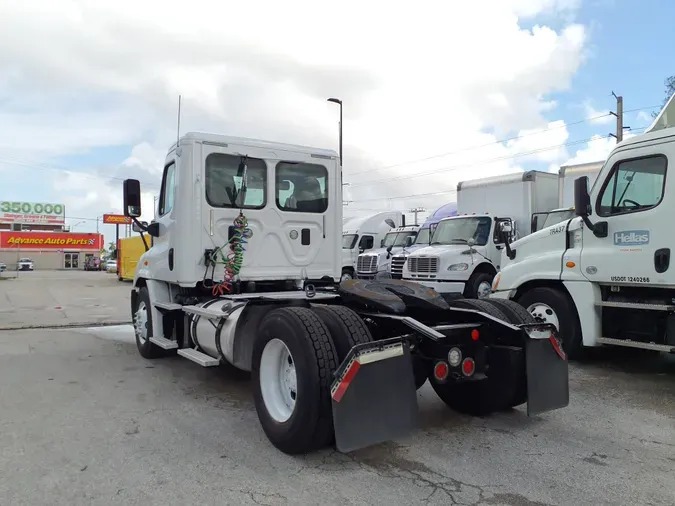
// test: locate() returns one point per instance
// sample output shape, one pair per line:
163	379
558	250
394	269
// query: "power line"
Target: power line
445	192
461	150
57	168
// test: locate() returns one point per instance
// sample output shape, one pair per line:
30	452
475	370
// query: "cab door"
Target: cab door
633	201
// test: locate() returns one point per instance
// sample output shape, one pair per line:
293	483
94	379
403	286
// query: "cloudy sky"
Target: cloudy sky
433	94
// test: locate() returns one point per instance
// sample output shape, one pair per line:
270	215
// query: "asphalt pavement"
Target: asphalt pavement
86	420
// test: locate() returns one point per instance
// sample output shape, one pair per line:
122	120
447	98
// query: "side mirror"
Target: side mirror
470	242
382	243
505	227
136	228
409	241
389	248
533	225
582	200
132	198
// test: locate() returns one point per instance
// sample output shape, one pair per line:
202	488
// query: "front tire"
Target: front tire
292	370
551	305
143	326
479	285
347	274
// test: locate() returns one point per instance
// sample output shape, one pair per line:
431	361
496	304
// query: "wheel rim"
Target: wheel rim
278	381
141	322
484	289
544	313
346	276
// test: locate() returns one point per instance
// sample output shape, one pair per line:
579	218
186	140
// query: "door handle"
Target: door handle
662	260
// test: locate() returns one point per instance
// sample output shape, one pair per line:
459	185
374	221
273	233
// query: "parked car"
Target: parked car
3	267
111	266
24	264
93	264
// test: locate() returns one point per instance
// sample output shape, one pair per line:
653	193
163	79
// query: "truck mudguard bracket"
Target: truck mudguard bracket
373	395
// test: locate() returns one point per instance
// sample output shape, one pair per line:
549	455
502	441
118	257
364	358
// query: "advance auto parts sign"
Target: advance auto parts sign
50	241
32	212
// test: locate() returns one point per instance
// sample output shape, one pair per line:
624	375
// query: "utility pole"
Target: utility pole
416	211
619	119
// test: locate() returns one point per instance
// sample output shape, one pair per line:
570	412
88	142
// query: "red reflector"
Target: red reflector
468	366
475	335
346	380
441	370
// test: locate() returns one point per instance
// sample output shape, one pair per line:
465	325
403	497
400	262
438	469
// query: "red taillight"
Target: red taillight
475	335
441	371
468	366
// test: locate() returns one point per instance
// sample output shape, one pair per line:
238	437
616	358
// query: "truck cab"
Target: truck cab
377	262
604	277
364	234
423	238
463	256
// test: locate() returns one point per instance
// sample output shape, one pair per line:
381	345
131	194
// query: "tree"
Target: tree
669	91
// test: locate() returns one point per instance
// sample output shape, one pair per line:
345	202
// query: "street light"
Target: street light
339	102
76	224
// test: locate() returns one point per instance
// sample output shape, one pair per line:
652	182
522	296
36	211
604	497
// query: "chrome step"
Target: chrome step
211	314
170	306
636	305
198	357
164	343
636	344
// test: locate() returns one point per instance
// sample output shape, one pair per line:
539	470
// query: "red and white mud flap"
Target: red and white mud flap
374	396
547	369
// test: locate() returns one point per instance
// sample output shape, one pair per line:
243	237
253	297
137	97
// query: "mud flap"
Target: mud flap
547	369
374	396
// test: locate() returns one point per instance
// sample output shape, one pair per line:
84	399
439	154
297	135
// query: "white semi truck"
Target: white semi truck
465	251
363	234
377	262
244	269
567	174
604	277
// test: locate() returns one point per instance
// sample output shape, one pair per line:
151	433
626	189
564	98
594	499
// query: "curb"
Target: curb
67	325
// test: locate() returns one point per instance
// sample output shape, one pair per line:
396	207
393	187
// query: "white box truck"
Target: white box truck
465	251
567	174
604	277
363	234
377	262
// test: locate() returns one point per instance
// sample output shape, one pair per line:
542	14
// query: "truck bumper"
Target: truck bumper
440	286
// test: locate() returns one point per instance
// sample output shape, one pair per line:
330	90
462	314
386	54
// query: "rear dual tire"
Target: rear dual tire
505	385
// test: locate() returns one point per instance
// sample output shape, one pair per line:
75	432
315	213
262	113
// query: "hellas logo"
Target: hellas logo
631	237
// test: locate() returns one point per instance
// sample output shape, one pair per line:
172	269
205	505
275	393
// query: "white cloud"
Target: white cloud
597	149
597	117
415	83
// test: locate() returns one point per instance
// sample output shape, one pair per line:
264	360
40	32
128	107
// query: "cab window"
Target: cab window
633	185
301	187
168	189
224	176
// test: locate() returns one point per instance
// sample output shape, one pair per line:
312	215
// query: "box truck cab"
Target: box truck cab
376	262
363	234
423	238
465	250
604	277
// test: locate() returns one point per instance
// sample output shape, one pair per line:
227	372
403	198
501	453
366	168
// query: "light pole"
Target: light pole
339	102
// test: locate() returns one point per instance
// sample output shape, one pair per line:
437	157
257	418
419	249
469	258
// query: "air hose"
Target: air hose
235	258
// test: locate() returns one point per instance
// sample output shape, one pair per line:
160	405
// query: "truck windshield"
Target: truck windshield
349	241
423	236
460	230
397	238
555	217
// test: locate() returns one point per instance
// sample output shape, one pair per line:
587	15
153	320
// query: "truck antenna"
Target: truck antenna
178	127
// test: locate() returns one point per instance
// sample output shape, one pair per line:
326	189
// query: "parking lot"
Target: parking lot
86	420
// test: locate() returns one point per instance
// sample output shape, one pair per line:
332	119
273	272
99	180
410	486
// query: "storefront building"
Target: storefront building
49	250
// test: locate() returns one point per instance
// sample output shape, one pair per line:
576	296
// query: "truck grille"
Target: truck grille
366	264
423	265
397	266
